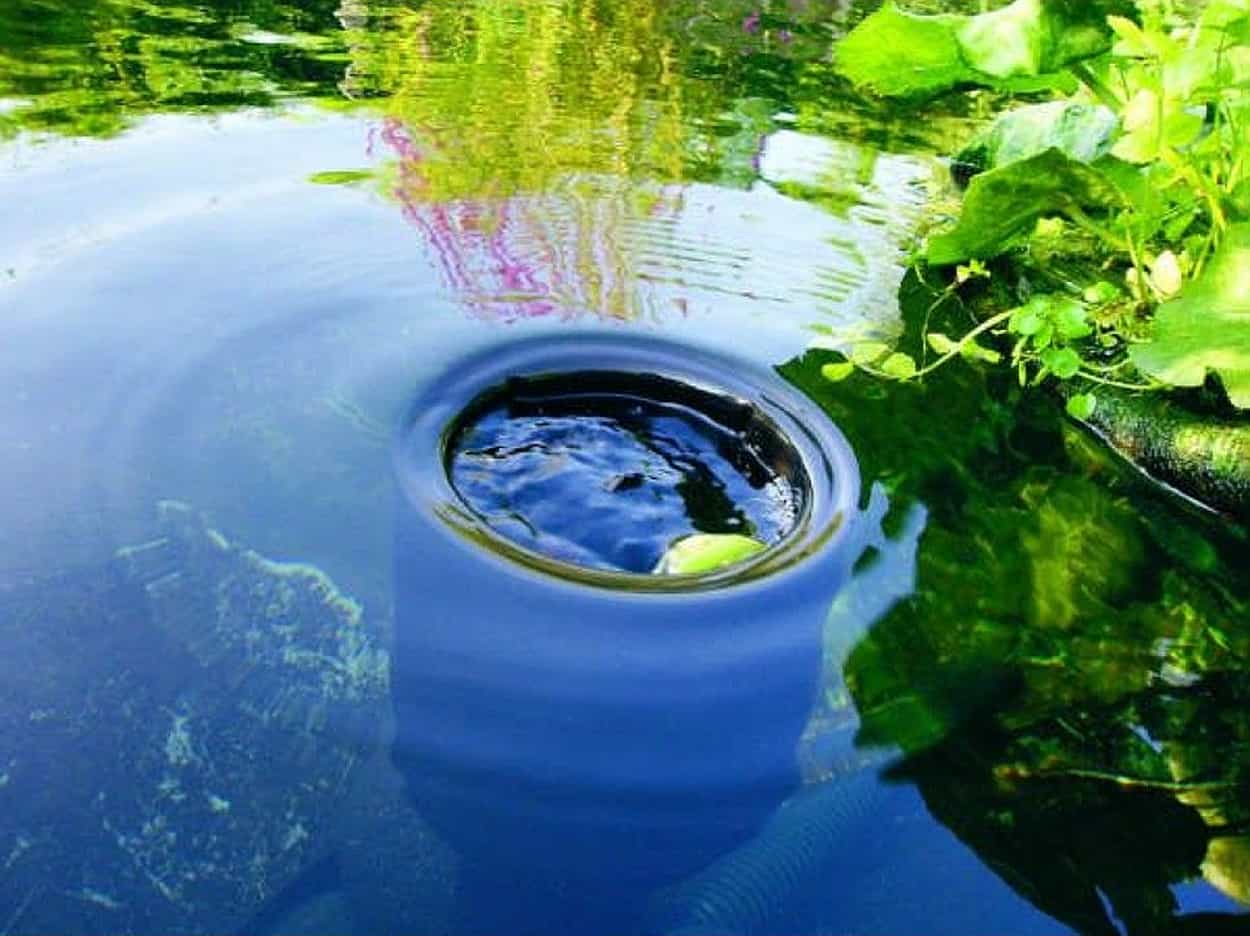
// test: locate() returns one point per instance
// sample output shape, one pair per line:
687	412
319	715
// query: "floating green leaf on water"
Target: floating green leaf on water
1207	329
1064	363
341	176
707	552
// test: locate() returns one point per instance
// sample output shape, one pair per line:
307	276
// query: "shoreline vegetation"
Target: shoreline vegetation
1102	237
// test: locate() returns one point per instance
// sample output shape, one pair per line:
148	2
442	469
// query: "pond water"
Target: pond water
241	238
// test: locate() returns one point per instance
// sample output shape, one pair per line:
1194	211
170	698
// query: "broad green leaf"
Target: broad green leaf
1152	123
1052	313
1240	198
1082	405
1006	42
1207	329
899	54
706	552
1225	14
941	343
838	371
1100	293
1005	202
899	365
1062	362
1083	132
1131	40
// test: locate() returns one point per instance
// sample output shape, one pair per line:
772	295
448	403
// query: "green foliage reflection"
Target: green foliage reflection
1069	682
89	67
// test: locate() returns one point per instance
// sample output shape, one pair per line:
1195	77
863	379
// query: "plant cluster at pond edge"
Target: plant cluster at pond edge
1104	236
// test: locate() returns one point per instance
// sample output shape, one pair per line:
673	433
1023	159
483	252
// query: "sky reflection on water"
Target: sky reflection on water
188	311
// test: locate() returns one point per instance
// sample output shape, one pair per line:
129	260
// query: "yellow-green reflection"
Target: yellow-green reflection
90	67
507	98
528	138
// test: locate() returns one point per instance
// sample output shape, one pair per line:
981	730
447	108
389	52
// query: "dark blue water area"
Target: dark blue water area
244	689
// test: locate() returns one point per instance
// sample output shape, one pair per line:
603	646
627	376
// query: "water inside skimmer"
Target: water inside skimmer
605	473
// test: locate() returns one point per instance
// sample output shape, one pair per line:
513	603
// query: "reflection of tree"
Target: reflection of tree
562	251
535	141
529	138
88	67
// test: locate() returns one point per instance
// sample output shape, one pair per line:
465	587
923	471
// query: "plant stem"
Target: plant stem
930	368
1078	217
1092	377
1140	783
1104	94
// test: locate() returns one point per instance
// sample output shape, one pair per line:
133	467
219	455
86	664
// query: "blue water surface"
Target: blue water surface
244	691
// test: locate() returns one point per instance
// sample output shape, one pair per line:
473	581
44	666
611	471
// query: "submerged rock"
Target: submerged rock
177	731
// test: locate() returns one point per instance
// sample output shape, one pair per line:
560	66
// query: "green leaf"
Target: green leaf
1009	41
837	372
706	552
1084	132
1240	198
1081	405
867	352
1071	321
341	176
1154	123
899	365
1131	41
1101	293
941	343
1003	203
1026	320
978	352
899	54
1207	329
1062	362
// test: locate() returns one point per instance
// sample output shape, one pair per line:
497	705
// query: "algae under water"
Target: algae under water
1049	732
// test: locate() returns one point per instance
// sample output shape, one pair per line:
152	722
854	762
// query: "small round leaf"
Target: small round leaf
866	352
838	371
1062	362
899	365
1082	405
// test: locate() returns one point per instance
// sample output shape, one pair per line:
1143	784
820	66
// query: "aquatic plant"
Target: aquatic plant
1115	220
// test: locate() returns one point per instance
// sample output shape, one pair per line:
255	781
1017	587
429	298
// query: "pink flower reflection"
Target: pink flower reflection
526	255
